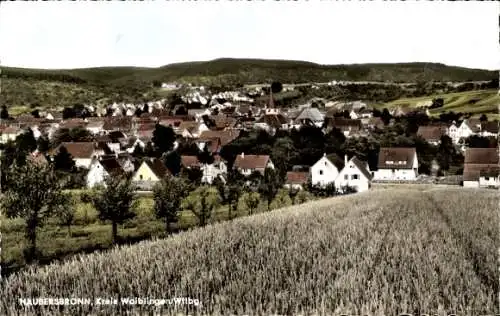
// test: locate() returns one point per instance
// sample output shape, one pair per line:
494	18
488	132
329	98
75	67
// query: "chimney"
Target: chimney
242	155
345	160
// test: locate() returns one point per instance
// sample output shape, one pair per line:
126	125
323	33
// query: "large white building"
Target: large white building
397	164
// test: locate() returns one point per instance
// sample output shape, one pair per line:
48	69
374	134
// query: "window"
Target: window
351	166
140	176
321	172
393	170
355	177
346	177
487	178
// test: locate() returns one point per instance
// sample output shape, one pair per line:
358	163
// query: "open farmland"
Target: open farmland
476	102
382	252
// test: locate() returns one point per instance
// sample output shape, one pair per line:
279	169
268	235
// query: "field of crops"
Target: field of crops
382	252
477	102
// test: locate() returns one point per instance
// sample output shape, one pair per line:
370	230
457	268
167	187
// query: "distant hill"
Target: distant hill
246	71
25	89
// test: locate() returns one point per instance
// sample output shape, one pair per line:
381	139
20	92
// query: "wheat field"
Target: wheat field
382	252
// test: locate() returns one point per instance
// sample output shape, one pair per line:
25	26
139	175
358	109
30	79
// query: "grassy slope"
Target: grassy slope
488	102
430	251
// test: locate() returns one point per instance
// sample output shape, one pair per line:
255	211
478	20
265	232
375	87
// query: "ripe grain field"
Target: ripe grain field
383	252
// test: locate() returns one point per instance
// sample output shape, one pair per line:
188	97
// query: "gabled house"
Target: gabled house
247	164
209	171
272	122
348	127
453	132
214	144
310	116
481	168
397	164
323	172
432	134
296	180
468	128
355	174
102	168
82	152
191	129
130	144
149	172
225	136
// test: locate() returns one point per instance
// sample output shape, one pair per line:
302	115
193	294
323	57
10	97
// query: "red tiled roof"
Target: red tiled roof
295	177
244	161
472	172
79	149
158	167
214	144
362	166
225	136
431	133
481	156
111	165
406	155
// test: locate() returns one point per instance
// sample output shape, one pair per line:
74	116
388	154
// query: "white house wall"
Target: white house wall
323	172
398	174
361	184
492	181
83	162
96	175
471	184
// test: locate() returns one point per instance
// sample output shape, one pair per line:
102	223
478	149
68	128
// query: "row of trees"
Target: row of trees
36	193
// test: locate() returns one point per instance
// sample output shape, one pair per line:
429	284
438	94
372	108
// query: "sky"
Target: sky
57	35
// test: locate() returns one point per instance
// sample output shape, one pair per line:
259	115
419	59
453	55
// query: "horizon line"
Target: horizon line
241	59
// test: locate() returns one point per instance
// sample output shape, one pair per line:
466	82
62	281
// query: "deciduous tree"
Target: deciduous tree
251	201
34	194
115	202
163	138
201	203
269	186
167	196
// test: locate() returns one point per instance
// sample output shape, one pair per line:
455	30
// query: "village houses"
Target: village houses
354	173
